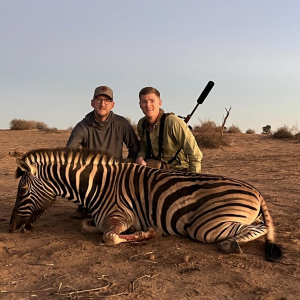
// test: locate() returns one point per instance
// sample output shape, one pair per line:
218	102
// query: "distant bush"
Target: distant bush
250	131
234	129
208	135
266	129
297	136
20	124
132	123
52	130
41	125
283	133
70	128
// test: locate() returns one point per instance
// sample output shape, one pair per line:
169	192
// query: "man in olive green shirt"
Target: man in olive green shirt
176	135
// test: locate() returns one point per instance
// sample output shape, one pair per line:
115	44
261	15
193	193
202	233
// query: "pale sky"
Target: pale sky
55	53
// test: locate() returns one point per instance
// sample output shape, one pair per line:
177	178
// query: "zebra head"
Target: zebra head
33	196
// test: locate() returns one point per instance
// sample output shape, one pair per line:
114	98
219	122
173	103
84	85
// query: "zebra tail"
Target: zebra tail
272	250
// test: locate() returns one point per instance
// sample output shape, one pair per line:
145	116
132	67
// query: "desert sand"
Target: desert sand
57	261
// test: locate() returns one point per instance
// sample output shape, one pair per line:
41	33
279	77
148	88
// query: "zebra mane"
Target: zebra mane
63	153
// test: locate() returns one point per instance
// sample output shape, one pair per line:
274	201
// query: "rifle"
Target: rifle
201	99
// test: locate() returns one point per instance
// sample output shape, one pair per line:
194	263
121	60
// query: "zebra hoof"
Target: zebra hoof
229	247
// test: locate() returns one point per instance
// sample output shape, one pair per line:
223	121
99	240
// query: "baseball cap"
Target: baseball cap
103	90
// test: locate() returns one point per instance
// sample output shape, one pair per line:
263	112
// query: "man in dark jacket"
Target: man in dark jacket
102	129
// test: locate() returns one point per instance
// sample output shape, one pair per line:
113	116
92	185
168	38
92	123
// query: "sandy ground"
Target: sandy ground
57	261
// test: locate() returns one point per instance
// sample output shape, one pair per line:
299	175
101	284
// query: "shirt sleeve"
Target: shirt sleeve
184	137
76	139
142	141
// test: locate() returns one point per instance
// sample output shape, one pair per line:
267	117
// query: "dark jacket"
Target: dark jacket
108	135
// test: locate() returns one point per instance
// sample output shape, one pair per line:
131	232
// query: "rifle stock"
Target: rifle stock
187	118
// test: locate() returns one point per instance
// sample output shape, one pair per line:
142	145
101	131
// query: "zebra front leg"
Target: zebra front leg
113	234
114	238
245	233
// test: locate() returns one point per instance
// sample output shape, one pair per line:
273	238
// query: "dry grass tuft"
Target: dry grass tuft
297	136
208	135
250	131
234	129
283	132
41	125
19	124
52	130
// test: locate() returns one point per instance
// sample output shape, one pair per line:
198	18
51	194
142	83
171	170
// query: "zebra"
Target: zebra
130	202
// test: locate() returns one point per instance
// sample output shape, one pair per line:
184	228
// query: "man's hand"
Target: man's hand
140	161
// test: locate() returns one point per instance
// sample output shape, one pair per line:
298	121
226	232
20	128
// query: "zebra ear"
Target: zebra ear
23	165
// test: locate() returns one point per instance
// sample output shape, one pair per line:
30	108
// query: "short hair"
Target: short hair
149	90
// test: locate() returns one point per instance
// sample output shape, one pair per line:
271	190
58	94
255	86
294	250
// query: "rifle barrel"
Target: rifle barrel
205	92
201	98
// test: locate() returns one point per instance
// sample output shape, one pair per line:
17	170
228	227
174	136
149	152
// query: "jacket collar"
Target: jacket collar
148	126
91	120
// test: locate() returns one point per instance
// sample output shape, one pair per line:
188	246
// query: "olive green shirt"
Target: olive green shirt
176	135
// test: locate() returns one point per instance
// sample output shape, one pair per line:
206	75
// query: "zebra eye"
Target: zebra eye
23	185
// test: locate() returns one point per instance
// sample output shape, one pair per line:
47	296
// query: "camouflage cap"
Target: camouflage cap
103	90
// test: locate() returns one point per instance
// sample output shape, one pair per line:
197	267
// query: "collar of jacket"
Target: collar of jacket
90	118
148	126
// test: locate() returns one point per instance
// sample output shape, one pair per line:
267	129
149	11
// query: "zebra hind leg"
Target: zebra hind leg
88	226
245	234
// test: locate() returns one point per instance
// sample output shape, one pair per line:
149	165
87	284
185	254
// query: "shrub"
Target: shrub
266	129
208	135
283	133
250	131
41	125
132	123
297	136
52	130
19	124
234	129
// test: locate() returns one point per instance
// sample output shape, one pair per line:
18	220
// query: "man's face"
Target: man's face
150	105
102	105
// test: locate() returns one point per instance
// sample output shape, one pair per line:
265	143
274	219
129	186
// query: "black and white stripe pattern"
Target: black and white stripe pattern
120	196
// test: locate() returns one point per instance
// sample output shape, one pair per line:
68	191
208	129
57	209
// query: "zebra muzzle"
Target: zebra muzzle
19	224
